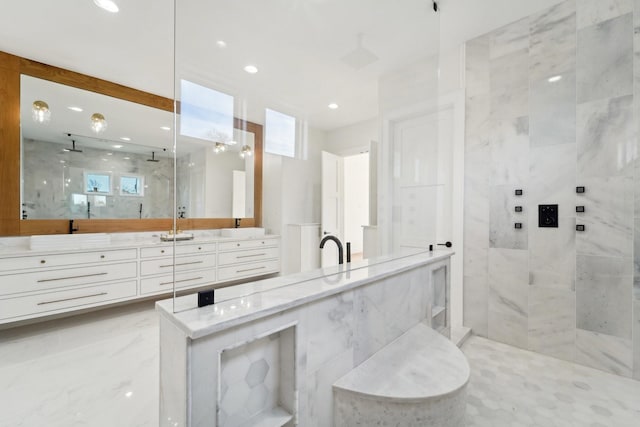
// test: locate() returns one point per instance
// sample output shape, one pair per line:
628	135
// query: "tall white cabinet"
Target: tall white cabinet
303	248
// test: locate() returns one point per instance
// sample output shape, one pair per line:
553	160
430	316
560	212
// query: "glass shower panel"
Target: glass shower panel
335	67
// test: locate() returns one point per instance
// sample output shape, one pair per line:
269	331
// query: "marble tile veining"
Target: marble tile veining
606	137
603	295
608	217
552	178
509	38
476	294
604	352
508	296
477	66
552	254
553	41
97	369
503	218
552	320
605	59
552	111
509	151
513	387
591	12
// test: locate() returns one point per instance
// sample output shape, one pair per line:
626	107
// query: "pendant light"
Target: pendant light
98	123
40	112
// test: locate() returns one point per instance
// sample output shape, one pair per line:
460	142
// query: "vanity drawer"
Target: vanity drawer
159	284
248	270
63	300
247	244
165	265
57	260
227	258
60	278
180	250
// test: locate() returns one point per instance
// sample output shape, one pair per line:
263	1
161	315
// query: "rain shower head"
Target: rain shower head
73	148
153	158
359	57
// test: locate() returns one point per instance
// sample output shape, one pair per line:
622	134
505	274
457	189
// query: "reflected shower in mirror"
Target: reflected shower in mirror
127	170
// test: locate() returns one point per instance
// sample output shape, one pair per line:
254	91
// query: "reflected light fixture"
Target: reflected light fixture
41	112
333	106
76	109
167	128
221	43
554	79
245	151
108	5
98	123
220	147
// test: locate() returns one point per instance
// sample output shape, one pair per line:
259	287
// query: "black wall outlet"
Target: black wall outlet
205	298
548	216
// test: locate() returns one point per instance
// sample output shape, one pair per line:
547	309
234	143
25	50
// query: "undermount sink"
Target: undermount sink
242	232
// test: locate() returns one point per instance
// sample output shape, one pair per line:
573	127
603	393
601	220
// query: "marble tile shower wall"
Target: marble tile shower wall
568	294
49	190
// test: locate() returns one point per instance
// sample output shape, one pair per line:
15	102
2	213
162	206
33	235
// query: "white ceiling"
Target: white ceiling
296	44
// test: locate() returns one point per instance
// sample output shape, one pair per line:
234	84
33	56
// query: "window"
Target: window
97	182
132	185
205	113
280	134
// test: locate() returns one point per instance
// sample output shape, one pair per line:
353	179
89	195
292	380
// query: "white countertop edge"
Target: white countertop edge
200	322
9	251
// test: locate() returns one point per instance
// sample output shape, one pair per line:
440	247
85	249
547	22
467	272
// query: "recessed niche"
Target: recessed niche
257	382
439	299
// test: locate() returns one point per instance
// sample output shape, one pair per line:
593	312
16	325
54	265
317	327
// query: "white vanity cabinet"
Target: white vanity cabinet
32	286
194	266
247	258
36	284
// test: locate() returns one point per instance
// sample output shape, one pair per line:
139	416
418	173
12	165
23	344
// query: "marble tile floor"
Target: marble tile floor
511	387
101	369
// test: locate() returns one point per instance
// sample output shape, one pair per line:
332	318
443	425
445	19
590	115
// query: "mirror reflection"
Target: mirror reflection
87	155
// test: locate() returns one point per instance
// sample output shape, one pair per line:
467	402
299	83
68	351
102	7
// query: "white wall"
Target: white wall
291	188
354	139
356	199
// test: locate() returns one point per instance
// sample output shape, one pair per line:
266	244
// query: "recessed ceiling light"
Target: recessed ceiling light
108	5
117	146
555	79
167	128
76	109
221	43
251	69
109	154
333	105
126	158
125	138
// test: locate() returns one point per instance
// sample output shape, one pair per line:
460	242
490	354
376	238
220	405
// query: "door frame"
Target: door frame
454	100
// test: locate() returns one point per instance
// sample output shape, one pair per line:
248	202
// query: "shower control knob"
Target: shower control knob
447	244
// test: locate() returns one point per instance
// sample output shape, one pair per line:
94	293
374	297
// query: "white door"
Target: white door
332	202
422	177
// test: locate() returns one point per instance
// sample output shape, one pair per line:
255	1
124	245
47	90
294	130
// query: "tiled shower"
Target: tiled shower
552	105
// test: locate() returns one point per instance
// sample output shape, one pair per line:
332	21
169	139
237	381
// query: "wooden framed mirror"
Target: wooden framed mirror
12	70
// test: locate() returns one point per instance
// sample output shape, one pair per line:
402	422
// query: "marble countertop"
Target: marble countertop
240	304
420	365
20	246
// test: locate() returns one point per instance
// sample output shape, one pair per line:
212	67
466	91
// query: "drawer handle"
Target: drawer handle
251	269
182	263
42	261
180	281
71	299
72	277
249	256
101	256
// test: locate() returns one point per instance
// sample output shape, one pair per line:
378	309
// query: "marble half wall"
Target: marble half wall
552	104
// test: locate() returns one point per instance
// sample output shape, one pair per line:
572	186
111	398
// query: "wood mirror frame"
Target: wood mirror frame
11	67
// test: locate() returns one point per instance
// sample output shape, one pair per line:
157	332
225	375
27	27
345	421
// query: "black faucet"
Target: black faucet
71	228
335	239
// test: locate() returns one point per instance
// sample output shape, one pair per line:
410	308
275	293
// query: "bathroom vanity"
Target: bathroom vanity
51	275
271	352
